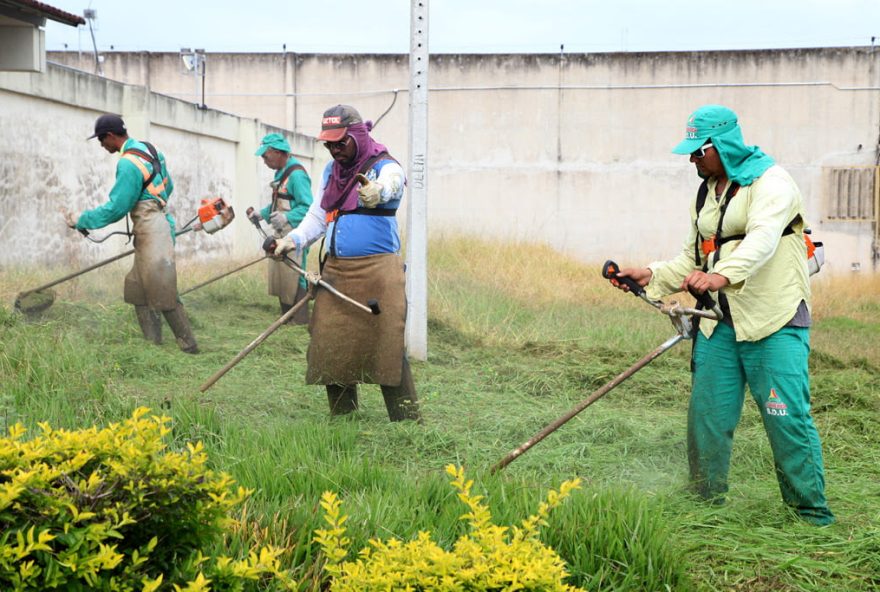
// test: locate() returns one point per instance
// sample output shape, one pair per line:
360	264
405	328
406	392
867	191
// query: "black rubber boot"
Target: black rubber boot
179	323
150	322
343	399
401	401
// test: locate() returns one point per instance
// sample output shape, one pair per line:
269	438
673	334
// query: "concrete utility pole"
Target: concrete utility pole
417	210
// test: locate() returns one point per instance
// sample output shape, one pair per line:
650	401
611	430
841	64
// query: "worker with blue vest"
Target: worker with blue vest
746	245
291	198
361	190
142	189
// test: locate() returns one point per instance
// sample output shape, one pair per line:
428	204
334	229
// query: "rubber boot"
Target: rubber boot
343	399
401	401
179	323
150	322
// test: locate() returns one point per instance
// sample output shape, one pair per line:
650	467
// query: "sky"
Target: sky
467	26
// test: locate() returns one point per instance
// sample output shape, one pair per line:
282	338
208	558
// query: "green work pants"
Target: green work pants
775	369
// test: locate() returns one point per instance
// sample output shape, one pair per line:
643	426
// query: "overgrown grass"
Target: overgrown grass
518	335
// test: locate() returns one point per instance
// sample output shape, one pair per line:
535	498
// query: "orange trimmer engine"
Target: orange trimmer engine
214	214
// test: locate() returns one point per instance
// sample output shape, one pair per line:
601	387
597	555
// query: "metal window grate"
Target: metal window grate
851	193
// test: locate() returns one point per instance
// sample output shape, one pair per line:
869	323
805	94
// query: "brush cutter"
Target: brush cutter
372	306
680	317
223	275
213	215
314	281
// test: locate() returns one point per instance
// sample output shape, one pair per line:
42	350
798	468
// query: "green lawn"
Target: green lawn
516	338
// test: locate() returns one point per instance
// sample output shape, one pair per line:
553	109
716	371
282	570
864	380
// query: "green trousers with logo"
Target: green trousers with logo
775	370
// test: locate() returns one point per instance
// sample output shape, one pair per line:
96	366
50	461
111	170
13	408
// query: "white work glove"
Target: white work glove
255	215
285	245
278	220
370	192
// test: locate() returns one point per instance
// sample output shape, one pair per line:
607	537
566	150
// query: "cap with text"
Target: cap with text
705	123
334	124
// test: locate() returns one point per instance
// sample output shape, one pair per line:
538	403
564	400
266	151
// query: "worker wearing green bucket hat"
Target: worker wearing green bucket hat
291	198
746	245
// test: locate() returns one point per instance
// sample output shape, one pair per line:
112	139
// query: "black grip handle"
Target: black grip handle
249	213
609	272
83	231
269	245
705	299
374	306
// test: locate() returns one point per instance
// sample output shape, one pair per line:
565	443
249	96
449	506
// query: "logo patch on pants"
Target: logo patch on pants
774	404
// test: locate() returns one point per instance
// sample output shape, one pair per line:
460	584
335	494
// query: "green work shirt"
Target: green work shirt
299	192
128	190
767	271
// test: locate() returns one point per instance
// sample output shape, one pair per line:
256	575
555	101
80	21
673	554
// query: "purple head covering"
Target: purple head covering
341	190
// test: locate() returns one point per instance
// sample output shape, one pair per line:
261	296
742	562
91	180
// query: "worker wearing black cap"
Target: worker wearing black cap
141	190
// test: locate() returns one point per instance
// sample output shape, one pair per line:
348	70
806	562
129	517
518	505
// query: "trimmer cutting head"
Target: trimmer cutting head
34	302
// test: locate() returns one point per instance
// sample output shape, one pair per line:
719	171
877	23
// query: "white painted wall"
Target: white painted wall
46	163
569	150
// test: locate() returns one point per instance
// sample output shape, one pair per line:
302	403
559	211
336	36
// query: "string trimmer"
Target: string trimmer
680	317
314	281
213	215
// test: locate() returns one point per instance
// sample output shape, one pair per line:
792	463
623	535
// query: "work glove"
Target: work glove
370	192
285	245
69	217
255	215
278	220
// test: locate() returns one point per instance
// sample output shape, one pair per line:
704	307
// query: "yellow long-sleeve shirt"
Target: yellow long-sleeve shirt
767	271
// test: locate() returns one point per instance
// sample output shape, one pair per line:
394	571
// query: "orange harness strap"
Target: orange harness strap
153	190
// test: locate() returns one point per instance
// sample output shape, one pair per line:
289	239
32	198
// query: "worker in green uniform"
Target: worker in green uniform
291	198
142	189
746	245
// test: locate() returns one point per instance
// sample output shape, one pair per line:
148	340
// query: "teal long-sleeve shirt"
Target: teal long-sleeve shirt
127	191
299	192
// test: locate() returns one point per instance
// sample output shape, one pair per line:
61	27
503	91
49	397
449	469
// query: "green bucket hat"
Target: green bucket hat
708	121
276	141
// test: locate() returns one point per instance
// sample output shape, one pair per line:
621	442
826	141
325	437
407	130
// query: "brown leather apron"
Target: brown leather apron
349	345
152	280
282	280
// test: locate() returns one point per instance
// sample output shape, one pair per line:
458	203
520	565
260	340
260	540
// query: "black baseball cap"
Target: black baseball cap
108	124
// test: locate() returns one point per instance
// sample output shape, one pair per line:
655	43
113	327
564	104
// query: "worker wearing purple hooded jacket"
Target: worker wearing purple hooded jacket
361	189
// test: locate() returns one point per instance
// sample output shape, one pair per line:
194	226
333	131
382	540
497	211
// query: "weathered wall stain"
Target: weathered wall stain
46	163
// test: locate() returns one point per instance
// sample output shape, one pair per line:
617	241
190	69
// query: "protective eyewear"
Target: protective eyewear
701	151
336	146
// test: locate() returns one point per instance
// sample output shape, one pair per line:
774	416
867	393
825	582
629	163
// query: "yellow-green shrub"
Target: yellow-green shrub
489	557
115	509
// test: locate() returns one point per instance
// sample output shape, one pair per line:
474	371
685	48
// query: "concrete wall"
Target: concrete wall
570	150
45	163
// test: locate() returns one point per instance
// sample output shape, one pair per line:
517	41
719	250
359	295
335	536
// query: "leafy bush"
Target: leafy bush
114	509
490	557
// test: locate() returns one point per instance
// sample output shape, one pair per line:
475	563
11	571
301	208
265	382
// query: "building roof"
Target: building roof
36	13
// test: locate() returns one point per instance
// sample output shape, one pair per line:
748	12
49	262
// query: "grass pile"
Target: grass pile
517	336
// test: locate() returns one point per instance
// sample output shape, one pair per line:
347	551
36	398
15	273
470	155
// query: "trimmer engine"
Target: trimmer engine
214	214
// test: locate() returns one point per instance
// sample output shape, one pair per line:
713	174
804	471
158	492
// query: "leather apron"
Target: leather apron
349	345
152	280
283	281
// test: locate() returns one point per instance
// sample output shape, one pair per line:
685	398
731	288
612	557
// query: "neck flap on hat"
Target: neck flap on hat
341	192
743	164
